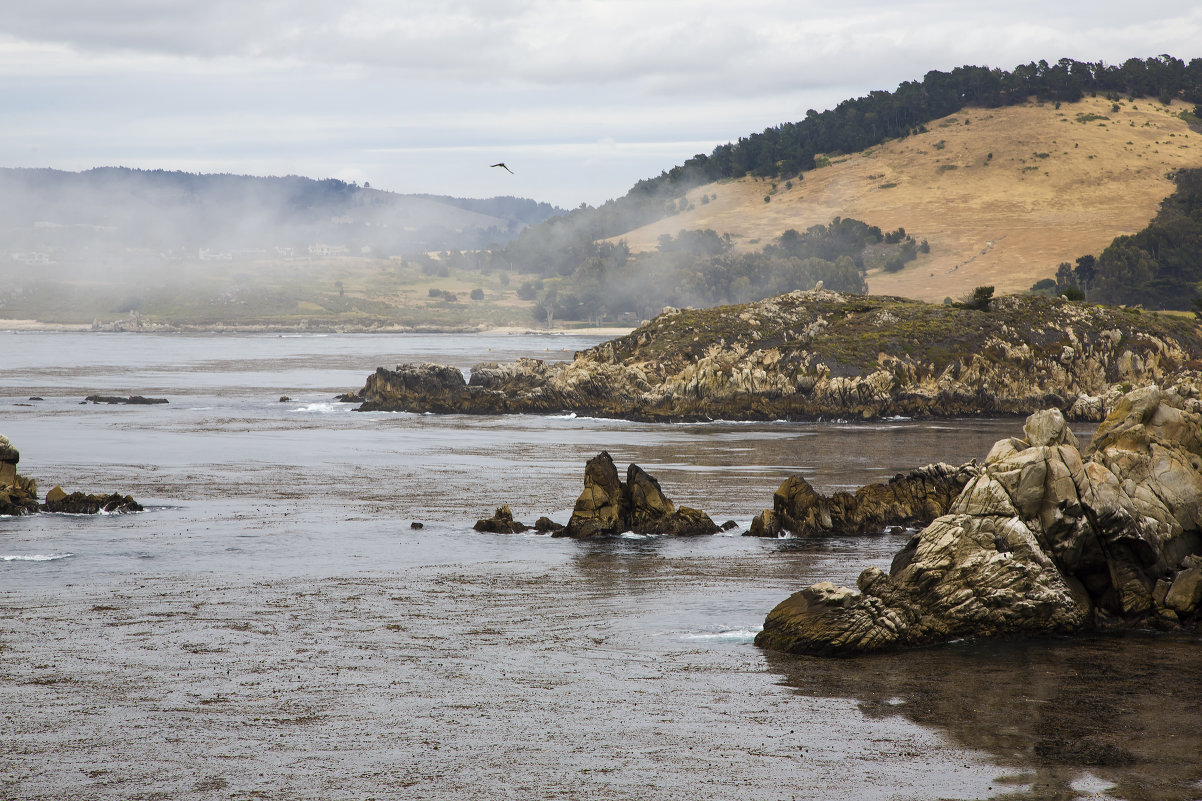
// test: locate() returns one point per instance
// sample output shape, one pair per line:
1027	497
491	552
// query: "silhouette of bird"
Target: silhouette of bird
502	164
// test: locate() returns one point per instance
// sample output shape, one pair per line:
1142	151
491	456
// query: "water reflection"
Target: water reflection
1120	709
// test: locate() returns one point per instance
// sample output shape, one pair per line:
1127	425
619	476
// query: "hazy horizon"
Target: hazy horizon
581	100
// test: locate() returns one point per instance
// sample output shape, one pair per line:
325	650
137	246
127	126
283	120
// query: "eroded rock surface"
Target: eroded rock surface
609	506
1044	539
907	499
805	355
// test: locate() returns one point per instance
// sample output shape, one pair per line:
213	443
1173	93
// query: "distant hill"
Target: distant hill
116	212
1001	195
1006	175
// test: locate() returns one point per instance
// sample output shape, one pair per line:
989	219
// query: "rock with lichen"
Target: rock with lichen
1045	539
805	355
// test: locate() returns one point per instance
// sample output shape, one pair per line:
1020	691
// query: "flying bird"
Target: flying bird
502	164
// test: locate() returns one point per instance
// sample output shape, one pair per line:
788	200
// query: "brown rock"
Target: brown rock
603	508
501	522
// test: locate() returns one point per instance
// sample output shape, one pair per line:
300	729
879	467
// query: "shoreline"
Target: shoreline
37	326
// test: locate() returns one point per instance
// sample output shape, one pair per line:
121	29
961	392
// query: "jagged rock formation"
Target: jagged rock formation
609	506
1045	539
814	354
907	499
19	495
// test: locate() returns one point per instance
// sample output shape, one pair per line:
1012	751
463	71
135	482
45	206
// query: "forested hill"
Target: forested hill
169	211
788	150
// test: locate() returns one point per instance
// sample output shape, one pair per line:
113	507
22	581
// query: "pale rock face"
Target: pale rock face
1041	541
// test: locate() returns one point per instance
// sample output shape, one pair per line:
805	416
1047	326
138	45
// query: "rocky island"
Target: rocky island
822	354
1046	538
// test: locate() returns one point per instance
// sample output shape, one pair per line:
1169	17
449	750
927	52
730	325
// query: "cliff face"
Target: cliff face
814	354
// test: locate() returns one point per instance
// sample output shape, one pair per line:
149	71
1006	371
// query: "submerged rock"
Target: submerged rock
1042	540
135	400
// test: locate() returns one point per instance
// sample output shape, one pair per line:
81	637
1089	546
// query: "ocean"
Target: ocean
273	626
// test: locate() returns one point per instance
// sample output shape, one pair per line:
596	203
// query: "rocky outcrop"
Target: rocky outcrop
1045	539
501	522
134	400
908	499
806	355
610	506
19	495
80	503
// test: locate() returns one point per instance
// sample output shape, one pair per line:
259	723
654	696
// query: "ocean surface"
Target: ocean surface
274	627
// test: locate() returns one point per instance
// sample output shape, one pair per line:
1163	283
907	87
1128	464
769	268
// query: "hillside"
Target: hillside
1002	195
150	249
120	214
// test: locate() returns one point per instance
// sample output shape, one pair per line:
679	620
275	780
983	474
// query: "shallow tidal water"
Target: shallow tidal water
273	628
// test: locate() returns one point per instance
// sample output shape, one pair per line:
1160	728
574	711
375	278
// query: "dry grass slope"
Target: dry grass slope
1002	195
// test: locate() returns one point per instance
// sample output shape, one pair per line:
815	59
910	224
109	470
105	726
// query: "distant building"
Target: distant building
321	250
32	257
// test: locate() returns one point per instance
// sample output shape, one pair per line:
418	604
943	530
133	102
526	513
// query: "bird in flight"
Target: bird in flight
502	164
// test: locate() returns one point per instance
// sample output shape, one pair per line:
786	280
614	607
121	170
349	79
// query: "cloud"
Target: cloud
312	85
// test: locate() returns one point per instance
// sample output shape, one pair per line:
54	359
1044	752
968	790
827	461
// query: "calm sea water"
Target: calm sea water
273	627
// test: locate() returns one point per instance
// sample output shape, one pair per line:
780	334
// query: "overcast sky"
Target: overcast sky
581	99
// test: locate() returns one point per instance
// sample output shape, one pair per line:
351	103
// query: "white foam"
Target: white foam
319	408
35	557
732	635
568	416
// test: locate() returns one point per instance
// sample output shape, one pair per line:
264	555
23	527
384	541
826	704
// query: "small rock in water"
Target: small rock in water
416	525
501	522
284	399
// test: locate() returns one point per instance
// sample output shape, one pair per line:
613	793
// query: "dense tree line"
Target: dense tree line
1159	267
701	268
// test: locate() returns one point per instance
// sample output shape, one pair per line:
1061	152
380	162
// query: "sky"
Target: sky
580	98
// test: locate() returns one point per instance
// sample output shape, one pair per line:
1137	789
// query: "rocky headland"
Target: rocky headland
822	354
19	494
1045	538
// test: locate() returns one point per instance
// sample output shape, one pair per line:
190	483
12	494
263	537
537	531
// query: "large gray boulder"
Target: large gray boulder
1043	540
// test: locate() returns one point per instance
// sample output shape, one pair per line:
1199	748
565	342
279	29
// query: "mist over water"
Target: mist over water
273	625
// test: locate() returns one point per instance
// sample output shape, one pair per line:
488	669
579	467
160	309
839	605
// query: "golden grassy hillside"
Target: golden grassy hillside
1002	195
